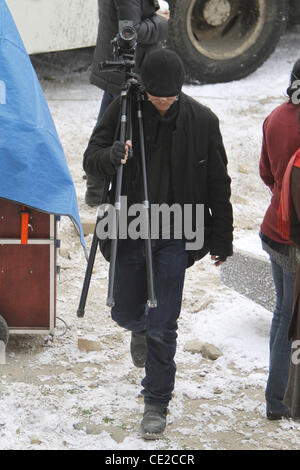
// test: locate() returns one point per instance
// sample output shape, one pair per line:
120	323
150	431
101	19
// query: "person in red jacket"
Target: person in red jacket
290	223
281	139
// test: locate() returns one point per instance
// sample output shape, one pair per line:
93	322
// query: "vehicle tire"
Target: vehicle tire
224	40
4	332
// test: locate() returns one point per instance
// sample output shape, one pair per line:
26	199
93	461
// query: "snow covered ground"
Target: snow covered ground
56	395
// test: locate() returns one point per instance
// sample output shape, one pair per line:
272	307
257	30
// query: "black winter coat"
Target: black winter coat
198	167
151	30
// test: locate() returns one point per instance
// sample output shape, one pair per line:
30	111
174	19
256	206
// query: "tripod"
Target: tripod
130	90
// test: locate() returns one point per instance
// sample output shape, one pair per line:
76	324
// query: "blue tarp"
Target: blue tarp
33	167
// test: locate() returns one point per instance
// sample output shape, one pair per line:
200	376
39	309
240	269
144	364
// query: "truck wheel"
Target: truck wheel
224	40
4	332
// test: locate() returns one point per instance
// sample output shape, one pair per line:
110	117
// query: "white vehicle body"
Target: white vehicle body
54	25
217	40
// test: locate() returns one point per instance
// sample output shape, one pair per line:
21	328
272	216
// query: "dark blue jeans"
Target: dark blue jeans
280	346
131	312
107	99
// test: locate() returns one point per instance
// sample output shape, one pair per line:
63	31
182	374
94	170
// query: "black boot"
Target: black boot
138	348
277	416
154	421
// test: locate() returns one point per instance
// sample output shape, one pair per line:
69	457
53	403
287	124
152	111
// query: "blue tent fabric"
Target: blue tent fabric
33	167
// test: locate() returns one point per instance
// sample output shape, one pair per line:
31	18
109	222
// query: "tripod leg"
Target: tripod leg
114	243
91	260
88	274
152	302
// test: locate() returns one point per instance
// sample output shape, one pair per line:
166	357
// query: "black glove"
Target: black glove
117	153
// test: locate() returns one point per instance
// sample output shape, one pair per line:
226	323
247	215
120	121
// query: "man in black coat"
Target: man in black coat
186	165
152	30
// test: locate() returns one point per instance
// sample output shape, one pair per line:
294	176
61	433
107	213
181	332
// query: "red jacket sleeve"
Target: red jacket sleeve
264	164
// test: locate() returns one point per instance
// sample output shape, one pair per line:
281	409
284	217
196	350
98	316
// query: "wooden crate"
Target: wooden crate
27	269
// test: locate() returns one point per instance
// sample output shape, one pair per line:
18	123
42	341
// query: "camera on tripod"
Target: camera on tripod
124	44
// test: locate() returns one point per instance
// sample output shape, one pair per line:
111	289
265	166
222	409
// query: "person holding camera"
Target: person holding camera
151	24
186	165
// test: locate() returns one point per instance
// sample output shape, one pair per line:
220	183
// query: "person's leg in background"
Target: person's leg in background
95	184
280	346
107	99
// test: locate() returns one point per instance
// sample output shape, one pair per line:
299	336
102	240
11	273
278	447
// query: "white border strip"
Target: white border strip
17	241
32	331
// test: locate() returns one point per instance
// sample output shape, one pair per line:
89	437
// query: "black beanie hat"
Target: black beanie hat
162	73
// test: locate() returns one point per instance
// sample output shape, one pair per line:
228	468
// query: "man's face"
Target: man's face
162	104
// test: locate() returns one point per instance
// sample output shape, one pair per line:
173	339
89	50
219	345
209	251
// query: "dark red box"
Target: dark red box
28	269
